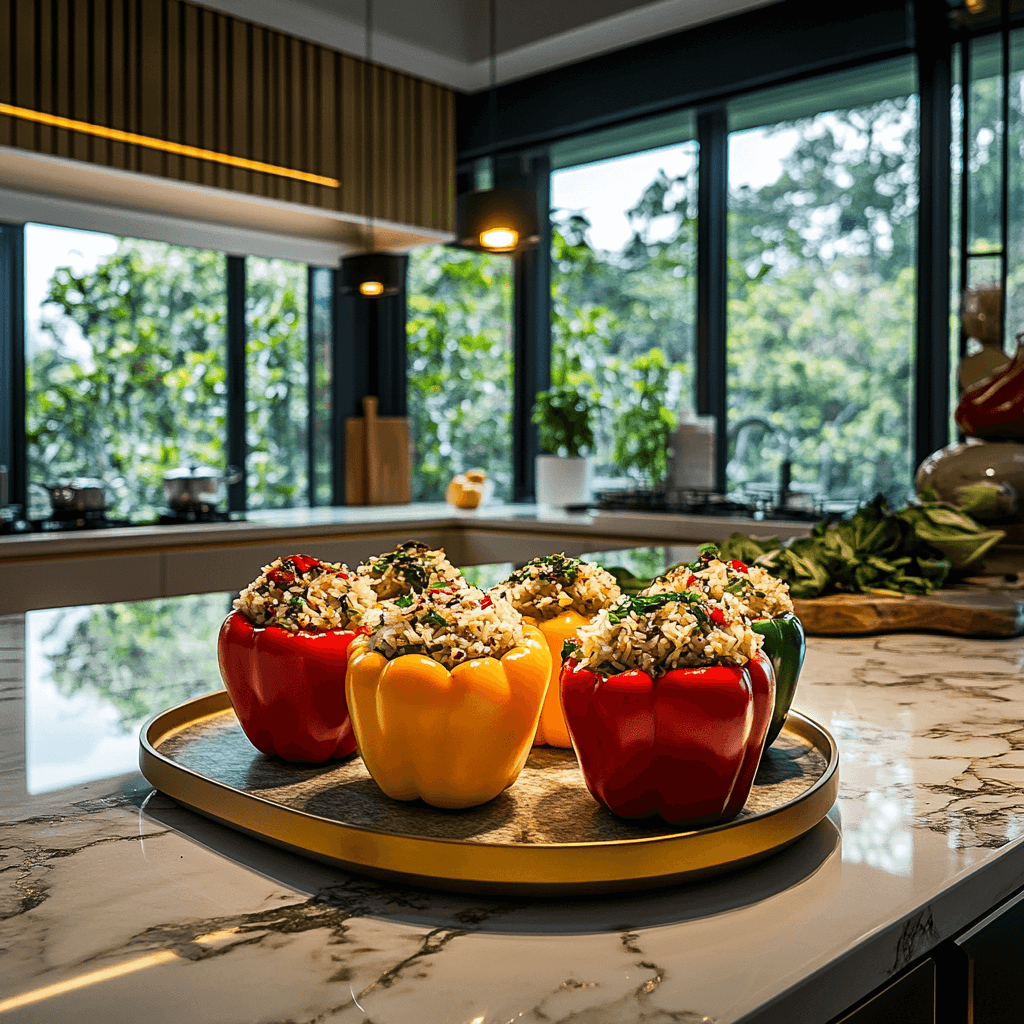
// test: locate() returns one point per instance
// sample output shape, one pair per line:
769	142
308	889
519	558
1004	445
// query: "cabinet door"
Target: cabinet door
995	953
910	999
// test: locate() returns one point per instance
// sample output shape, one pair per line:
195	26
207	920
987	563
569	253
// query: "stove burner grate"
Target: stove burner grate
699	503
193	514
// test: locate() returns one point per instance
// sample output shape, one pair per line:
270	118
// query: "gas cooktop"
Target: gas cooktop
697	503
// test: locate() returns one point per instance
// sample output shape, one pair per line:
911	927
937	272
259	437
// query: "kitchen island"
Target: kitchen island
119	904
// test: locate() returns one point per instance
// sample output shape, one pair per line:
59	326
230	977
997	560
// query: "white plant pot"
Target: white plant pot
562	480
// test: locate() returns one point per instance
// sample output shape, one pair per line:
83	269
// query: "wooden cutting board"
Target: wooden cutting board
378	458
963	611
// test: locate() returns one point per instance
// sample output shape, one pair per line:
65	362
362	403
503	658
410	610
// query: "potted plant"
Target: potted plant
640	430
564	414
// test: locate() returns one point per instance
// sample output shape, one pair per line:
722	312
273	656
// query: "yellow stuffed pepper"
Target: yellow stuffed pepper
445	694
558	594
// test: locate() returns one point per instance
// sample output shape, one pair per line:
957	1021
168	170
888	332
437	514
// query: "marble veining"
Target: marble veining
133	901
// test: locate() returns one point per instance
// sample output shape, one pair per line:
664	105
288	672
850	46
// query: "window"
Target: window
125	363
126	355
459	369
989	245
321	344
821	314
277	384
624	236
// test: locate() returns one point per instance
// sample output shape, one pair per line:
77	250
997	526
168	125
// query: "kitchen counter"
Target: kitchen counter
143	562
118	904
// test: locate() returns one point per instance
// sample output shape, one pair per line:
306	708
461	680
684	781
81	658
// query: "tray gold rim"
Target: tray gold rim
471	866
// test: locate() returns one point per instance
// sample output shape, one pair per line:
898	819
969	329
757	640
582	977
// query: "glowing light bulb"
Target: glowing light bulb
499	239
371	289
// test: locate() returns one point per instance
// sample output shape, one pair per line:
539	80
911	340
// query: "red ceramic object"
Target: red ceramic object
685	745
288	689
994	408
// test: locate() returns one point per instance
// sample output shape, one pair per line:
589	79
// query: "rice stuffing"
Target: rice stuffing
449	626
411	568
304	595
657	633
741	589
548	586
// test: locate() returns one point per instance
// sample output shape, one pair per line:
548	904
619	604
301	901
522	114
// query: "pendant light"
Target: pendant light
504	219
371	274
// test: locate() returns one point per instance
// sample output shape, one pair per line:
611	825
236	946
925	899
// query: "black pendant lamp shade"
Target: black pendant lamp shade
496	219
373	274
502	219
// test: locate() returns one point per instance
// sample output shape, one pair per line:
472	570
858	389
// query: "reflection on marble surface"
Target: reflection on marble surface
94	674
217	927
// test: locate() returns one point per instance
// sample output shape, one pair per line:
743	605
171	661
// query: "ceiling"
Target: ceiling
447	41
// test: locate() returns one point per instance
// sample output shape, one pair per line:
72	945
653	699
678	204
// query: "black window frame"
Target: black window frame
786	42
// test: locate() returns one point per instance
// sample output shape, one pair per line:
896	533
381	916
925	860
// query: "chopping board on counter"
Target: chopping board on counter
378	458
962	611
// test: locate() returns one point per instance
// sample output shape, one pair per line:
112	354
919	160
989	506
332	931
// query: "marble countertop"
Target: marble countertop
117	904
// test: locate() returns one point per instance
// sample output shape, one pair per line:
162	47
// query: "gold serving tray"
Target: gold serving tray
545	835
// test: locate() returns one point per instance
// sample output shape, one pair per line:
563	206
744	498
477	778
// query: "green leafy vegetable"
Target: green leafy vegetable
910	551
628	583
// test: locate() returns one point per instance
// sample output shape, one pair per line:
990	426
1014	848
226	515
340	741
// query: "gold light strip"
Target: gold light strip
37	995
168	147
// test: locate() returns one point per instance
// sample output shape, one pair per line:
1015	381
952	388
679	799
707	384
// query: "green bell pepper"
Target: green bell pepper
785	645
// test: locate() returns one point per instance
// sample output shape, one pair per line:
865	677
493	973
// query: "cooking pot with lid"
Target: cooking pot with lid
80	495
189	487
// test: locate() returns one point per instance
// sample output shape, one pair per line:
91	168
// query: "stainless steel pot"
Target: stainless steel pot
189	487
80	495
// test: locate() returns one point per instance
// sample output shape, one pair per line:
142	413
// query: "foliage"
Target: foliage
563	414
822	304
565	411
459	369
609	309
820	312
642	425
149	391
277	405
126	376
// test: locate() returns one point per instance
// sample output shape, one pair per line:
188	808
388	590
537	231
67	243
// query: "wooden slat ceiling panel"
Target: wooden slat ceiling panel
174	71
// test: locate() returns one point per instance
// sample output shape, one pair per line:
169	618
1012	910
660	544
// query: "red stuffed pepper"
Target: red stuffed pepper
668	705
752	593
283	654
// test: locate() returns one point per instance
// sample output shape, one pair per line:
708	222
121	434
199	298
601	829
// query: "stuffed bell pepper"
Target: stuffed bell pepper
668	704
445	693
283	652
764	600
558	594
410	569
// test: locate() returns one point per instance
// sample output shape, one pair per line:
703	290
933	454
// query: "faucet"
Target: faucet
786	470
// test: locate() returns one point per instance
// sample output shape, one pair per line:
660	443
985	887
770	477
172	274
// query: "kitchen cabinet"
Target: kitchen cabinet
910	999
984	966
973	978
